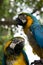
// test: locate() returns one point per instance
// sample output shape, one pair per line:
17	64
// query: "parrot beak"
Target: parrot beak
18	21
21	20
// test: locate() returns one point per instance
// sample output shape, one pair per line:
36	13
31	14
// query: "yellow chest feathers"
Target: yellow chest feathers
29	23
20	60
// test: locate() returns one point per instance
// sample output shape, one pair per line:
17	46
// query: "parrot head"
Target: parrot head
21	19
24	20
14	46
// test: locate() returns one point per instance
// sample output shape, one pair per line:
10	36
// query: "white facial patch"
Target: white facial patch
22	18
12	45
24	21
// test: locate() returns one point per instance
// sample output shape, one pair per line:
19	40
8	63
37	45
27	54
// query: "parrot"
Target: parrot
34	31
14	53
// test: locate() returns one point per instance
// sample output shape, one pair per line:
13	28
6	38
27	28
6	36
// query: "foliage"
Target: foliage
9	8
5	35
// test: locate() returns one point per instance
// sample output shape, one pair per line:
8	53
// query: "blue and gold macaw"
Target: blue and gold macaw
35	33
14	53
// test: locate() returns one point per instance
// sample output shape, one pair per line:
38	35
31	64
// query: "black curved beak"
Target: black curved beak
18	21
21	20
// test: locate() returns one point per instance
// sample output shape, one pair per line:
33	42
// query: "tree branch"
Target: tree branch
8	23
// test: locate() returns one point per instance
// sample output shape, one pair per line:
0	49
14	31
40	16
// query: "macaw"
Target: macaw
14	53
35	31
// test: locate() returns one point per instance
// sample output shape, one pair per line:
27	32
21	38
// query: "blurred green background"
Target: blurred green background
10	8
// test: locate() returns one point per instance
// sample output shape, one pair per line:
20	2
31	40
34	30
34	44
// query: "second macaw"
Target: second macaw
28	21
14	53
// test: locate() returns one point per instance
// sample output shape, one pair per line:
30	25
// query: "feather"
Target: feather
36	48
21	59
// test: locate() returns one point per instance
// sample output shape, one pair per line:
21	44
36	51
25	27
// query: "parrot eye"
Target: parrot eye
22	17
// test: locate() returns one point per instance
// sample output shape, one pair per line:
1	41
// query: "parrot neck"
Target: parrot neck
28	24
